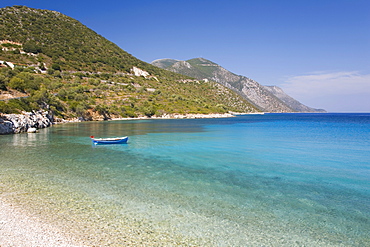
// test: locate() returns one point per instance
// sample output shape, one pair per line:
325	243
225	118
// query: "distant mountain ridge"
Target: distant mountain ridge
268	99
291	102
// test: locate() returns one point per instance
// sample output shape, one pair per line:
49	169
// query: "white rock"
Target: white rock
139	72
32	130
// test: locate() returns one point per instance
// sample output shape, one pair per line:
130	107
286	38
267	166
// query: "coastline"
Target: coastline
32	121
181	116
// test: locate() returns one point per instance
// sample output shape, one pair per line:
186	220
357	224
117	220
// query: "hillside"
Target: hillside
54	62
64	40
291	102
260	96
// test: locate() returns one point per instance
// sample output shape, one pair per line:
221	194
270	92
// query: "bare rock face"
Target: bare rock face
251	90
182	64
17	123
139	72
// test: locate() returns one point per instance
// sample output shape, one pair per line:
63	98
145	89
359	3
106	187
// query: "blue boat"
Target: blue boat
115	140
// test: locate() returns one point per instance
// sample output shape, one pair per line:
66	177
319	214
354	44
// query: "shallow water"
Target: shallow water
257	180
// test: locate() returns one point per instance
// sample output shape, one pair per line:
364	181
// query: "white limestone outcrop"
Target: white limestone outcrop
139	72
17	123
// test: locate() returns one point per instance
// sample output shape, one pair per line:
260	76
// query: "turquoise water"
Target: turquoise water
256	180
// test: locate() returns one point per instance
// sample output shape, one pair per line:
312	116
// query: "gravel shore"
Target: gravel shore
17	228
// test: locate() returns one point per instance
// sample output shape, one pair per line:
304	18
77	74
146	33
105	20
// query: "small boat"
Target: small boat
115	140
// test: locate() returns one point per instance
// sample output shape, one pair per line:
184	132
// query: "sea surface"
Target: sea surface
254	180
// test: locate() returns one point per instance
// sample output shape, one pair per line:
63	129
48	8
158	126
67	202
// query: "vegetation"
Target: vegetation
68	43
65	68
71	95
207	71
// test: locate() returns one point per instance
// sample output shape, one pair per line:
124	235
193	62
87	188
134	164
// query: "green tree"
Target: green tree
102	110
7	109
32	47
3	81
18	84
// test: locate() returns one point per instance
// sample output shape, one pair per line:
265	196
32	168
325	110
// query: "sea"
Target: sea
251	180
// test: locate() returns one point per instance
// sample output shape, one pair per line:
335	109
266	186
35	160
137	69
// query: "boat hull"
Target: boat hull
119	140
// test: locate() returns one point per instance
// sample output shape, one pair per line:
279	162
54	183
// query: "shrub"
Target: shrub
7	109
17	83
56	66
3	81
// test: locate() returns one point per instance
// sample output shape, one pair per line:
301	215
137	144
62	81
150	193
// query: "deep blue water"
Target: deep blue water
272	179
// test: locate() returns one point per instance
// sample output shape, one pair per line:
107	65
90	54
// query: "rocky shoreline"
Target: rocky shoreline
25	122
182	116
32	121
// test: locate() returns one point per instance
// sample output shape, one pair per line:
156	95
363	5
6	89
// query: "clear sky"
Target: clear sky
317	51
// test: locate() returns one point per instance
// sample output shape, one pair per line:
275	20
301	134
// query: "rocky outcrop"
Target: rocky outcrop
17	123
139	72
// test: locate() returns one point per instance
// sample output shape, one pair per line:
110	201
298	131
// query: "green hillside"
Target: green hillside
207	69
54	62
68	42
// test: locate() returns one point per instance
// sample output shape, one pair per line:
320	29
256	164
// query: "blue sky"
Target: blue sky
318	51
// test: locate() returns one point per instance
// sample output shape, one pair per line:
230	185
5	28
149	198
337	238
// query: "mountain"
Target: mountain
260	96
164	63
56	63
291	102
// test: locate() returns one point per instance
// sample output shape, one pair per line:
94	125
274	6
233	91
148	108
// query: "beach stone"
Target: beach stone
32	130
6	127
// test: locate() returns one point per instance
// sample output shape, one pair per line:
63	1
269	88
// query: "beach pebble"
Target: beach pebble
19	229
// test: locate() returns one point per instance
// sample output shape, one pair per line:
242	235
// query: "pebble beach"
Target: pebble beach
20	228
